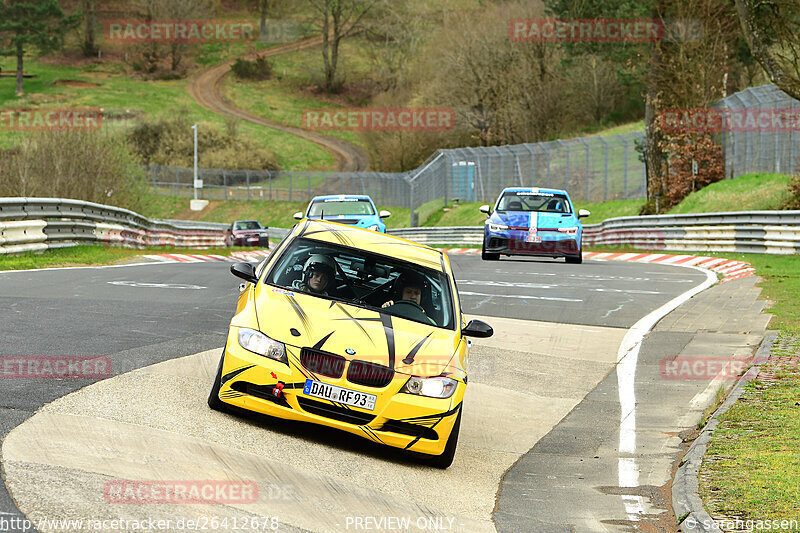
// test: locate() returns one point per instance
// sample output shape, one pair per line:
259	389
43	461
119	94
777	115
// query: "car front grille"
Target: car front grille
334	412
369	374
323	363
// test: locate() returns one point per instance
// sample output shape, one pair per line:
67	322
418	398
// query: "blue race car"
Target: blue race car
533	221
355	210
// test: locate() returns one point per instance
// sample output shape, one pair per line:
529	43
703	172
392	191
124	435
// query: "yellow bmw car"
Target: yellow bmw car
354	330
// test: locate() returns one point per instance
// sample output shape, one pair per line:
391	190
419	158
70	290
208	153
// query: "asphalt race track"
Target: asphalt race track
543	444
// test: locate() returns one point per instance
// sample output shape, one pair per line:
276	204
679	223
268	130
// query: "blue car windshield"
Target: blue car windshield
341	206
530	201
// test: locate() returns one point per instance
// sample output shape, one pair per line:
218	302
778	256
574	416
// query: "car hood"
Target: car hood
526	219
354	333
365	220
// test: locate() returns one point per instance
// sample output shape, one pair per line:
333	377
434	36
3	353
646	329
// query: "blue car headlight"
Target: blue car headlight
374	227
569	231
496	227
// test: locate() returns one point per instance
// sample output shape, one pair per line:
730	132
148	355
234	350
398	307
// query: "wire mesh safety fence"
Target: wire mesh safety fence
592	169
282	185
766	146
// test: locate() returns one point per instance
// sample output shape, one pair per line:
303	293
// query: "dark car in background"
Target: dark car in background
247	233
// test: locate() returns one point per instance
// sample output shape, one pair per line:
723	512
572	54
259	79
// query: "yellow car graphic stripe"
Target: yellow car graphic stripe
413	353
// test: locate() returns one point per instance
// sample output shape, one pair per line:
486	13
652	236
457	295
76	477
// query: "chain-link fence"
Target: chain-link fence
592	169
285	185
760	143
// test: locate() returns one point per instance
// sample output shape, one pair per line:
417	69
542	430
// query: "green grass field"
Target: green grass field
88	255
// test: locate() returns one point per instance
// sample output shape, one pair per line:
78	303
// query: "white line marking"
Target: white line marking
463	293
627	359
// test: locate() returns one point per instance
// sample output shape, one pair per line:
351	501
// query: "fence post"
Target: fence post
586	170
309	185
605	167
269	173
547	175
625	168
291	175
247	176
533	165
566	150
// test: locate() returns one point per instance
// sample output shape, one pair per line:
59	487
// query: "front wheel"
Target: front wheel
575	259
213	398
446	458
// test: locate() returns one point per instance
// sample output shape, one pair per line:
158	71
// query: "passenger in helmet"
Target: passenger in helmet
318	271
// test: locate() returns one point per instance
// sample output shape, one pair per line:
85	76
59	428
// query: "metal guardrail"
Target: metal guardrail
32	224
771	232
35	224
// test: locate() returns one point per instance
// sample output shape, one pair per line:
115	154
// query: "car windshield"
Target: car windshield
341	206
530	201
247	224
367	280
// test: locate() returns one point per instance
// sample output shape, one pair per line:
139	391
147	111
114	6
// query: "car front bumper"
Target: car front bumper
514	242
401	420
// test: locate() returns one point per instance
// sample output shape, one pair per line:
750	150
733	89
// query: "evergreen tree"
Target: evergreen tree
26	23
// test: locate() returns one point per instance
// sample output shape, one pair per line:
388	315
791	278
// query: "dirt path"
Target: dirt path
207	89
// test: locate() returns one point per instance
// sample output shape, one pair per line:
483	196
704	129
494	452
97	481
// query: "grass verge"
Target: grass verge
89	255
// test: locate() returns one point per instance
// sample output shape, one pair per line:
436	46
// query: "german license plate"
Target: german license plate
333	393
533	236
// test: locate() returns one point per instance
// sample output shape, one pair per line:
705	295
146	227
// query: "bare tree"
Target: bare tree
89	10
396	34
153	53
772	30
337	20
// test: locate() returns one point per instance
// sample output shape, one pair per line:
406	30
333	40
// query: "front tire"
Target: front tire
486	256
575	259
213	398
446	458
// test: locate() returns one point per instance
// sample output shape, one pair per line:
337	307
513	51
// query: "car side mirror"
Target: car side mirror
244	271
583	213
477	328
298	216
485	209
385	214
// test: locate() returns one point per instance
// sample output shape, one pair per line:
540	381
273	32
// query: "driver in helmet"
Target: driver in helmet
411	286
318	271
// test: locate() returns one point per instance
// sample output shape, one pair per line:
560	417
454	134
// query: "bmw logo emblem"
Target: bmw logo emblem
350	351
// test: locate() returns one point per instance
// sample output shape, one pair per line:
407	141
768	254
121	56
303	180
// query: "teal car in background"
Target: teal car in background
353	209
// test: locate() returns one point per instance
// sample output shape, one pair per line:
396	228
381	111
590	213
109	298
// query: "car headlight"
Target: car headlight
439	387
374	227
496	227
256	342
569	231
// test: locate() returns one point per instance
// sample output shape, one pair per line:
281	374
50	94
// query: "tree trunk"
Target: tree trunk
20	56
653	155
90	23
262	28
